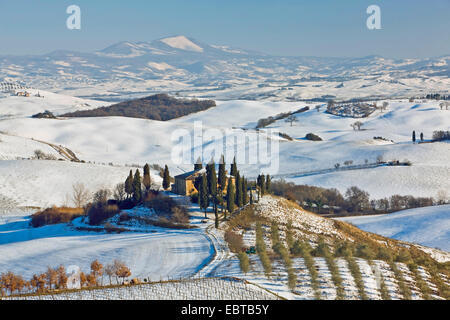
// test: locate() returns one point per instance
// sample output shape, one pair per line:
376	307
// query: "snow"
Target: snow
183	43
160	253
12	148
16	106
108	139
153	255
44	183
429	226
197	289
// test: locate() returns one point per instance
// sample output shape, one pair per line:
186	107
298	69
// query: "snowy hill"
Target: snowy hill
127	69
12	106
427	226
50	183
107	140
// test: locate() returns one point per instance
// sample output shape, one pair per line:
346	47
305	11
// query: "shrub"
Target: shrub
40	155
244	262
357	276
301	248
261	250
109	228
292	279
403	256
161	203
313	137
99	212
384	254
234	240
404	289
194	197
55	215
124	217
343	249
364	251
179	215
44	115
321	250
289	235
285	136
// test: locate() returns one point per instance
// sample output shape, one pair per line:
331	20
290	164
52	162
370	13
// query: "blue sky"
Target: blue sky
410	28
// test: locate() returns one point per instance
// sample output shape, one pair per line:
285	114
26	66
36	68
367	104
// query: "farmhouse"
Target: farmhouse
23	94
185	183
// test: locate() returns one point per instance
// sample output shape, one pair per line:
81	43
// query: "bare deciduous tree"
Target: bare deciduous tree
110	272
380	158
101	196
357	125
80	195
119	192
291	119
442	197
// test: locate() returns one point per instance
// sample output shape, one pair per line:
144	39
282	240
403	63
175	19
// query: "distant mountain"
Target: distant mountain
192	68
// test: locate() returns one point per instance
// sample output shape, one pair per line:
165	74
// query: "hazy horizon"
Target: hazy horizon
409	29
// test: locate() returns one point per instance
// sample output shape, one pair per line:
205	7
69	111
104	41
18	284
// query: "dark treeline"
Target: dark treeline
267	121
355	201
441	135
157	107
437	96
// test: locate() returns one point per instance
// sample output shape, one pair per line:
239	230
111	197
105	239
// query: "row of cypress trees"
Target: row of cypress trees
263	184
134	183
212	186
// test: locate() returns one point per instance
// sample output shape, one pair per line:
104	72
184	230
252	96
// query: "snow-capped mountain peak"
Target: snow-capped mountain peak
182	43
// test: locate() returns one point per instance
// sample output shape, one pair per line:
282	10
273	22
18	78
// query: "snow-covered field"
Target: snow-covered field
18	106
125	140
43	183
197	289
156	254
428	226
162	253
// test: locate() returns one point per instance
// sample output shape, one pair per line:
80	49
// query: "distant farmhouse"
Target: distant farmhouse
22	94
185	183
352	110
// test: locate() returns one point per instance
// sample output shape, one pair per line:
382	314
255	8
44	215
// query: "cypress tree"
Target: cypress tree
222	174
239	191
233	169
198	164
166	178
203	194
262	185
212	183
230	196
244	191
414	137
268	181
421	136
212	178
147	181
137	190
129	184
